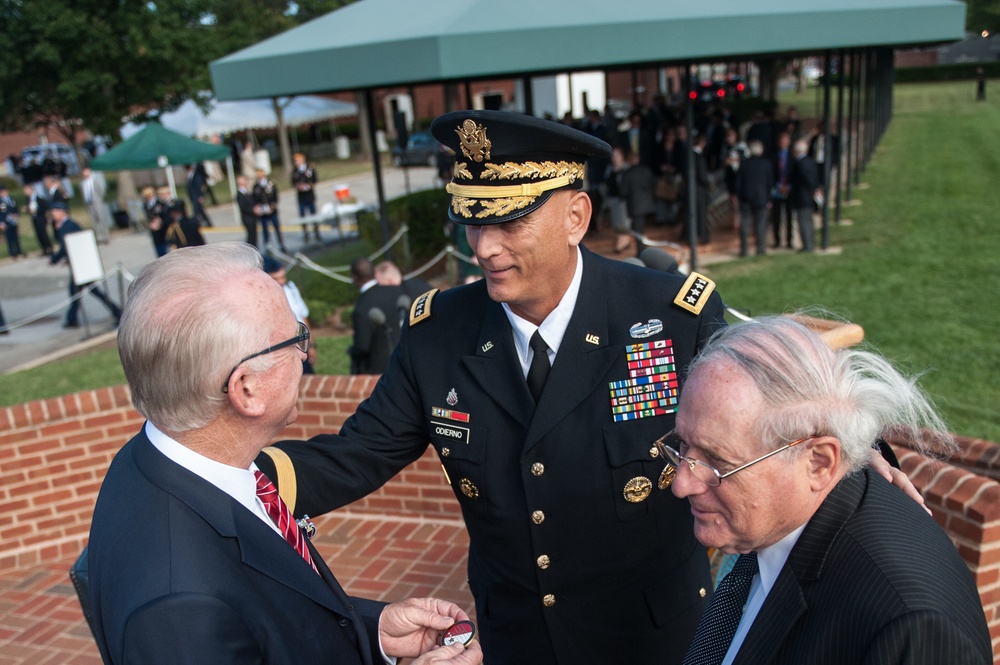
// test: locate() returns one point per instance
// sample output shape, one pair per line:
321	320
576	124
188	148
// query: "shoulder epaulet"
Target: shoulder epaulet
421	307
695	292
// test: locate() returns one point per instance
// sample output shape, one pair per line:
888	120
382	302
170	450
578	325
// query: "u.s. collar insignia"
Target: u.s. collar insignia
452	398
695	292
474	143
648	329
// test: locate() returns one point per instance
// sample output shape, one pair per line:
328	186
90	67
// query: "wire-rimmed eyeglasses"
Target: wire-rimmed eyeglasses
707	473
301	342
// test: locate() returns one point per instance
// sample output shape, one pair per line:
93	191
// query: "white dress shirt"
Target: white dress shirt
554	326
299	307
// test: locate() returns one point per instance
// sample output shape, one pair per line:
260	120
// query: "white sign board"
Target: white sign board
84	257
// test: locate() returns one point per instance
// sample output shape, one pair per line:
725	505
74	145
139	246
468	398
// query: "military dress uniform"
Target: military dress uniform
579	553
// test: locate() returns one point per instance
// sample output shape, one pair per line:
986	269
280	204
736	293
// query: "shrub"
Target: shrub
425	213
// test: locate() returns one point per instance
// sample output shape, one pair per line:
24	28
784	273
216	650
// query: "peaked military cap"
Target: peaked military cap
58	205
508	164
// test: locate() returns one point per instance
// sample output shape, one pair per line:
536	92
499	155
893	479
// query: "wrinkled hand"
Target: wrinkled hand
412	627
456	654
896	477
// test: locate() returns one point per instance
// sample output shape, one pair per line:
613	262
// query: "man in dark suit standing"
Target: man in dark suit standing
754	182
64	227
197	181
781	210
265	206
773	435
193	557
804	182
244	200
35	206
376	320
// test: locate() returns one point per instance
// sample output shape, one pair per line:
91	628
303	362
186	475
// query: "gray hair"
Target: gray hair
809	388
181	334
756	148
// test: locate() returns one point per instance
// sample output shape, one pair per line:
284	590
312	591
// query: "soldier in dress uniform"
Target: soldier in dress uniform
304	182
265	206
156	220
579	552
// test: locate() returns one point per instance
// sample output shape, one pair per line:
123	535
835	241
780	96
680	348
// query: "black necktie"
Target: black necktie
539	370
722	617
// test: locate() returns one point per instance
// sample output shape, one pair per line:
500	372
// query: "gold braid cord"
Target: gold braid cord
532	170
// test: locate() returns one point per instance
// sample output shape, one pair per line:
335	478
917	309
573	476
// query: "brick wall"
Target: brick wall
53	455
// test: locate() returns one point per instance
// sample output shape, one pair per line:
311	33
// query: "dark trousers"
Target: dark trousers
200	215
74	307
807	230
756	219
251	227
781	211
308	207
13	239
273	220
42	233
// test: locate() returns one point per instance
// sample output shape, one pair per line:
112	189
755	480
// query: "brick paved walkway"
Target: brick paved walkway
389	558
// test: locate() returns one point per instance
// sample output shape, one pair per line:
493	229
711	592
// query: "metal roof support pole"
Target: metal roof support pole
692	213
529	95
827	73
383	211
841	67
850	137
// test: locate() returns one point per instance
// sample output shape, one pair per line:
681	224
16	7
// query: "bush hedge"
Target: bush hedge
426	215
956	72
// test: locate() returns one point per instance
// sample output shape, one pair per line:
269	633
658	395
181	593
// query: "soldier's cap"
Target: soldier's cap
508	164
271	265
58	205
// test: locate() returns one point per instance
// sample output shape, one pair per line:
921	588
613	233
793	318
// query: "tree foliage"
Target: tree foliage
982	15
92	63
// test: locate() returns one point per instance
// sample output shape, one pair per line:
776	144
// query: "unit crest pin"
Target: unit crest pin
452	398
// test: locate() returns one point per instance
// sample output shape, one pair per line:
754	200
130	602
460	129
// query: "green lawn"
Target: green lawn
919	269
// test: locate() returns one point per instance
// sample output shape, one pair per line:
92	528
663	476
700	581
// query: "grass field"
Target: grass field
919	268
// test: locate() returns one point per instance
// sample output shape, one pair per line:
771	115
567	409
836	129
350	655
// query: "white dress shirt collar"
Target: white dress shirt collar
554	326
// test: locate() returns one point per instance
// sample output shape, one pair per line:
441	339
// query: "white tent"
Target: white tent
228	117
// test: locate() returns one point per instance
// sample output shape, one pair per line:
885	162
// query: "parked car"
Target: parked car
63	151
421	150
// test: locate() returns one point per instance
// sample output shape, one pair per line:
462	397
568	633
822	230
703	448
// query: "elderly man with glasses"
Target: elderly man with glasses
771	447
193	556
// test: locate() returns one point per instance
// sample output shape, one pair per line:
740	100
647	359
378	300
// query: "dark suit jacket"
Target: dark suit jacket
67	227
628	581
374	344
754	181
245	203
872	579
182	573
804	179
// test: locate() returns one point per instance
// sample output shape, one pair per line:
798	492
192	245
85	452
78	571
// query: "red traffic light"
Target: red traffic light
693	95
720	93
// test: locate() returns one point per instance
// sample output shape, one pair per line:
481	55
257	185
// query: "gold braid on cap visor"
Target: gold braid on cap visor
499	201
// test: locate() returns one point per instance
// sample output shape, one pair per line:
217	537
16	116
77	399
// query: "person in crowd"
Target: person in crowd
780	208
183	231
804	184
265	206
64	227
702	187
193	556
388	273
734	152
248	162
197	183
304	181
616	202
35	206
636	188
92	188
671	154
156	220
980	84
754	182
770	450
244	200
376	319
300	309
8	223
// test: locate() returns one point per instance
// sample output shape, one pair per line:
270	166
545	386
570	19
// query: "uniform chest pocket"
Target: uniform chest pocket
635	467
462	450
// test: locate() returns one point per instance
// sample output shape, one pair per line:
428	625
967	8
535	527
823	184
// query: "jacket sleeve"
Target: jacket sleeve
927	638
187	628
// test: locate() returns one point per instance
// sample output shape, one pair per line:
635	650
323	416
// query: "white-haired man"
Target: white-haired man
771	447
193	557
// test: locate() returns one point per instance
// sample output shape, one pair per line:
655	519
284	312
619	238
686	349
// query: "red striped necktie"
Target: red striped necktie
282	516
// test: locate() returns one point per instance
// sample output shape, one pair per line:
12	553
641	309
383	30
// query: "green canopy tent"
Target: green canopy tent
155	146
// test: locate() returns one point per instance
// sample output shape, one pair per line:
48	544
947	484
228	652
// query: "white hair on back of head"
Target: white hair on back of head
180	334
810	389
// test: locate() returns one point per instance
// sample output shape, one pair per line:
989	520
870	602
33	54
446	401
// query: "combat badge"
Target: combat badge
462	632
421	307
648	329
638	489
695	292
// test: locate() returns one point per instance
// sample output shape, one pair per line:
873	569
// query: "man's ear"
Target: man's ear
244	393
822	460
578	211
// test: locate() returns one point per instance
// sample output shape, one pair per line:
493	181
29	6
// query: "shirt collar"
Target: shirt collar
237	483
554	326
771	559
367	285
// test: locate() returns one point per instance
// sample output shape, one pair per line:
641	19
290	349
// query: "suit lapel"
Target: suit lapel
584	357
786	602
496	367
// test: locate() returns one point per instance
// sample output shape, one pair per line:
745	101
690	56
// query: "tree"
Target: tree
93	62
982	15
